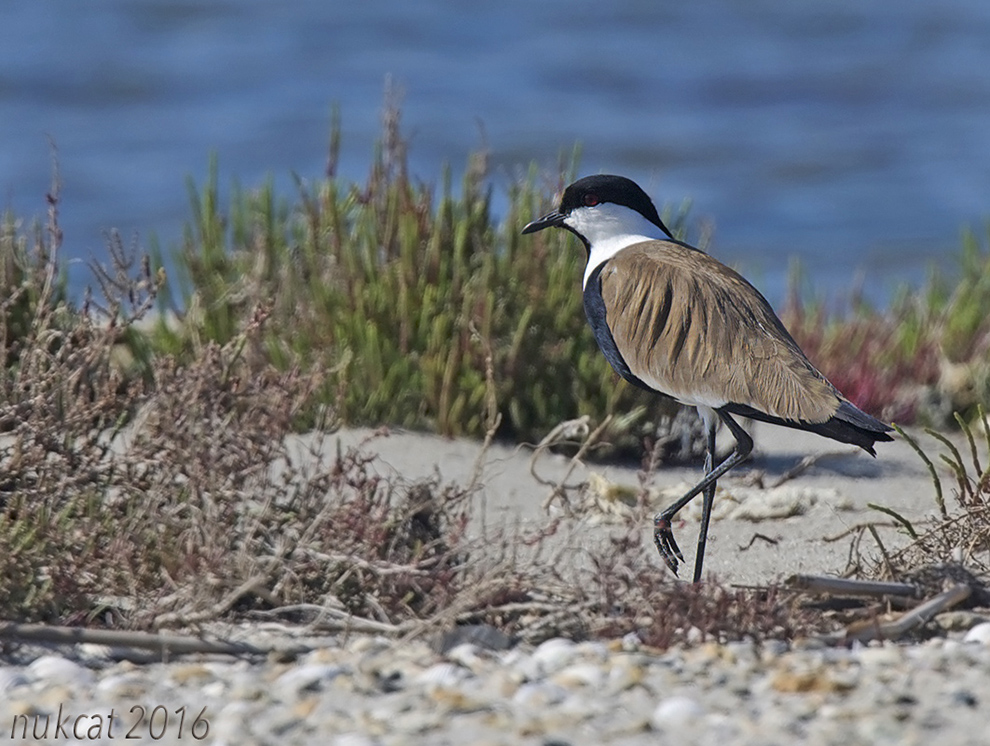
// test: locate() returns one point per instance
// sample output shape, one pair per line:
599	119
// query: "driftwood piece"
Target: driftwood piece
875	628
849	587
897	628
162	645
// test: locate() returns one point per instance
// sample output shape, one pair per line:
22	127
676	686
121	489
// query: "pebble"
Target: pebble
551	656
676	713
368	691
61	670
980	634
308	677
441	675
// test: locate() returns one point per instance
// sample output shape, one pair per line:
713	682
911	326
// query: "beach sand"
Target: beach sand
840	484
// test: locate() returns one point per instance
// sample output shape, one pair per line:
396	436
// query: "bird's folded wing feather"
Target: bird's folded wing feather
696	330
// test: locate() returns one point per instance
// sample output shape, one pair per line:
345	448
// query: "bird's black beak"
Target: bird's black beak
550	220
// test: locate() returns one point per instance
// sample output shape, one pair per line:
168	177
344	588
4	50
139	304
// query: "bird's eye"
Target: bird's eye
590	200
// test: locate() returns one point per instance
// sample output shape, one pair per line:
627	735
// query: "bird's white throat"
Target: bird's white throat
609	228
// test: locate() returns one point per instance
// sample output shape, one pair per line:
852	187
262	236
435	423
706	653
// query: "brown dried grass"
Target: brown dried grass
140	492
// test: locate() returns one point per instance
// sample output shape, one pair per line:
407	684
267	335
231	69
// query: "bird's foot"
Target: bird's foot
663	537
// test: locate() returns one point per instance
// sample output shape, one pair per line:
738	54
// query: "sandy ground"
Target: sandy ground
844	481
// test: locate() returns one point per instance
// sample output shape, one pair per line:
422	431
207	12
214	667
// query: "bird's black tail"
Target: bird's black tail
849	424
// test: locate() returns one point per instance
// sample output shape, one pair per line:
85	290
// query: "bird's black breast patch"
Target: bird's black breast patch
594	308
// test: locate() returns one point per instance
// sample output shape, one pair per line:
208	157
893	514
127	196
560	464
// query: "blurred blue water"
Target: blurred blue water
853	135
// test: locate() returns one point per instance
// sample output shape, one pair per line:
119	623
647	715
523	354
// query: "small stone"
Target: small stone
979	634
625	673
55	669
771	650
514	658
550	656
322	655
466	655
365	645
452	699
230	724
193	675
631	642
97	653
304	707
965	698
354	739
708	653
305	678
675	713
879	657
592	650
816	680
415	722
18	707
501	683
441	675
741	650
11	679
480	635
247	686
809	643
214	690
123	686
959	621
539	695
579	675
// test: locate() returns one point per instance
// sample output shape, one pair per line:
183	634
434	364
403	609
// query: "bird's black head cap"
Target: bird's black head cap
595	190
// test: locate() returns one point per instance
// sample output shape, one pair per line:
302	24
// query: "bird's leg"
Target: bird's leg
663	536
708	497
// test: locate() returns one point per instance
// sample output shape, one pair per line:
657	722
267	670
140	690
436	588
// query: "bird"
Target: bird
672	319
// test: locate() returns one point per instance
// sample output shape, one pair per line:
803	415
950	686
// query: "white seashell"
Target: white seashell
307	677
131	682
770	650
353	739
880	657
230	723
538	695
579	675
12	678
466	655
980	633
624	674
675	713
553	655
214	690
631	642
441	675
593	650
54	669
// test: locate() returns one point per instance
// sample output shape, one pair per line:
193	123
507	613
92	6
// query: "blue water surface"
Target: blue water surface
853	136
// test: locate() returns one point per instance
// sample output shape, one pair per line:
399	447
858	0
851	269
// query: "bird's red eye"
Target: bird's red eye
590	200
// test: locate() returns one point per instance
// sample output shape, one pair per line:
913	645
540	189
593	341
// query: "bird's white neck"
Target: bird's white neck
609	228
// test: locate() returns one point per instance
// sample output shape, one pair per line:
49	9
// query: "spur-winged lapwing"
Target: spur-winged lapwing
672	319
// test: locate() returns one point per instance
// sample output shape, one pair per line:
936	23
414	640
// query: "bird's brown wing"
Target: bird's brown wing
696	330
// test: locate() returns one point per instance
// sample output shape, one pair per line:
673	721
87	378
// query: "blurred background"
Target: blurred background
853	136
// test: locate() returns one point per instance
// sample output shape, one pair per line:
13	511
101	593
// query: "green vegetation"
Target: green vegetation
29	281
182	496
923	359
401	294
401	297
152	471
961	533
